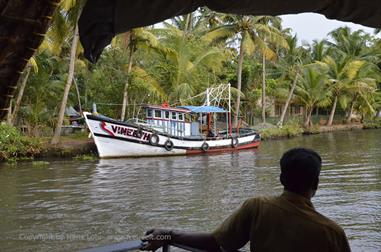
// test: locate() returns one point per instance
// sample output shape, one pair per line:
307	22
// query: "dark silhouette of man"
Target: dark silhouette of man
288	222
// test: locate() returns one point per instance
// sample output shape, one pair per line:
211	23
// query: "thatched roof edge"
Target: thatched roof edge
22	30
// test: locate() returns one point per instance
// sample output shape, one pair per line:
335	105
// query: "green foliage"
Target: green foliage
13	145
291	129
373	124
189	53
315	129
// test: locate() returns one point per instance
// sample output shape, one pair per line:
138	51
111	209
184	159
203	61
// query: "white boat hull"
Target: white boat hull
116	139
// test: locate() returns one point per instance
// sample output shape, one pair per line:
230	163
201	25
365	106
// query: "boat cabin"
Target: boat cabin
168	120
184	121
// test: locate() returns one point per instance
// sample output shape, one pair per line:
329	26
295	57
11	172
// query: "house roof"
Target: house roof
70	111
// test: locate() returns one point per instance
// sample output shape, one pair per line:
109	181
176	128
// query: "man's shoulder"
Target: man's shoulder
257	201
271	202
332	225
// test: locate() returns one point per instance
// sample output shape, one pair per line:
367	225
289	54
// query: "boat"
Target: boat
166	130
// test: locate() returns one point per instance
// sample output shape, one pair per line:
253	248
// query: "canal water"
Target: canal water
69	205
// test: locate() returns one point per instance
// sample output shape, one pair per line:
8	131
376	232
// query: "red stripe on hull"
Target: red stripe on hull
225	149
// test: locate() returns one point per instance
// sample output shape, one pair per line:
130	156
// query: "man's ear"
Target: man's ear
315	184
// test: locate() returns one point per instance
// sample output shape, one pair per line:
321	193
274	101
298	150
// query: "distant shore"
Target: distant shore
80	147
71	148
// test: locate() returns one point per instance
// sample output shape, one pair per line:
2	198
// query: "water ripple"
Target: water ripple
84	204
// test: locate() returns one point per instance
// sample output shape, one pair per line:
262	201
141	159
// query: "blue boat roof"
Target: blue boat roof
204	109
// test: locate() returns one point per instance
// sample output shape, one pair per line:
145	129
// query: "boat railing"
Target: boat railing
224	134
137	121
138	245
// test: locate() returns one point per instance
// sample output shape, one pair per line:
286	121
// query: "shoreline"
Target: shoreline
72	148
81	148
340	127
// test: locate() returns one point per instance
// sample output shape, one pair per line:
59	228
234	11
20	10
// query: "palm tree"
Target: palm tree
61	114
291	66
72	8
132	40
362	89
185	63
108	77
351	44
52	43
319	50
31	65
342	74
312	91
276	24
253	34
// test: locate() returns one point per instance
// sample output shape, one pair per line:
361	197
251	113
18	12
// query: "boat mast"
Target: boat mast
208	114
230	111
207	97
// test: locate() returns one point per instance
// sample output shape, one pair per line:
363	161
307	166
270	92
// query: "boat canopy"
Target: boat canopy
204	109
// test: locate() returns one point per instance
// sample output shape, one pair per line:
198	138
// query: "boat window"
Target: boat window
149	113
157	113
166	114
174	116
181	117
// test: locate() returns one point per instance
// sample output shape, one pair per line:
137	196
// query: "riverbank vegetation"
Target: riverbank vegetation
276	78
373	124
291	129
14	145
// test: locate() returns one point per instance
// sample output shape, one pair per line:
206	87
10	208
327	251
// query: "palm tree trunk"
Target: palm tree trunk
280	123
239	84
74	45
125	93
134	108
308	122
349	118
20	95
333	110
263	88
377	114
78	96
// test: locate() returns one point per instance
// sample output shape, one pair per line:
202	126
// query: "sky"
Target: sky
310	26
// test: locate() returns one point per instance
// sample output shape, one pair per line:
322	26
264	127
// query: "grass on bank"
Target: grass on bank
375	124
14	145
291	129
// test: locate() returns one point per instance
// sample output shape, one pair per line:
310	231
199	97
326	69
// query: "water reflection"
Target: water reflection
73	205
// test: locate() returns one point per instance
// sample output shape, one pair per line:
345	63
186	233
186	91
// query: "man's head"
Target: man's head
300	170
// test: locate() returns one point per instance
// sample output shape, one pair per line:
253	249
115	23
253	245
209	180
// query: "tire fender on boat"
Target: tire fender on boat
235	142
168	145
154	139
205	146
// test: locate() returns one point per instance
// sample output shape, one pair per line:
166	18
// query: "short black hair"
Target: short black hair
300	170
